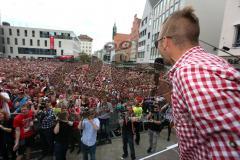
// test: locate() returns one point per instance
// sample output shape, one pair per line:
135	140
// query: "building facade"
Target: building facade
230	36
122	54
85	44
36	42
126	45
134	37
103	55
210	14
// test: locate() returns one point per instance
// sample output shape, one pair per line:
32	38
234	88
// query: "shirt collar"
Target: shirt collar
182	59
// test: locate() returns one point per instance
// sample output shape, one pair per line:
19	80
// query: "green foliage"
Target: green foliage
84	58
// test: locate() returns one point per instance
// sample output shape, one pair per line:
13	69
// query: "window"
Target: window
3	49
44	34
16	41
165	5
25	33
10	31
33	33
31	42
59	44
237	39
2	31
36	51
18	32
161	7
157	22
45	42
62	52
23	42
140	54
171	10
8	40
3	40
38	42
11	49
176	6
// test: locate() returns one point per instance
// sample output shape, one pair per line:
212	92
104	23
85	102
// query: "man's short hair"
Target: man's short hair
183	27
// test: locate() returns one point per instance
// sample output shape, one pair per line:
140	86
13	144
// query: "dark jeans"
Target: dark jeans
60	151
164	123
46	137
4	150
137	126
74	138
104	129
89	150
128	139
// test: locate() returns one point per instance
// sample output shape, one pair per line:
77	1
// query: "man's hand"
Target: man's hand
90	120
1	127
16	146
17	104
151	120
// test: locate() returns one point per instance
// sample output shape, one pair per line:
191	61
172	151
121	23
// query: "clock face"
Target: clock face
125	45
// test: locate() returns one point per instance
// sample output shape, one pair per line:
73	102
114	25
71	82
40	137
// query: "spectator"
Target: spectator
23	124
4	99
167	119
153	127
104	111
126	122
20	101
46	119
138	112
62	131
5	134
90	126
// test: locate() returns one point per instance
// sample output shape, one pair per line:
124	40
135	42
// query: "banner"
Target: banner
51	42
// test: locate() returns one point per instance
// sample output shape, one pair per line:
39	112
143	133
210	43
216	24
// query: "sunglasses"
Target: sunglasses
157	41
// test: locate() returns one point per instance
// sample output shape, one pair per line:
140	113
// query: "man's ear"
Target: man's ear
165	44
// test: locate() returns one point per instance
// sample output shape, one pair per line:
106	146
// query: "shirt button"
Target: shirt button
233	144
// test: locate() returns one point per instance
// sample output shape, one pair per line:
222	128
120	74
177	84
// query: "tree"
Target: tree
84	58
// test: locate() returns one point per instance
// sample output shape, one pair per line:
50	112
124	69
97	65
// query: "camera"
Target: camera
43	103
124	115
85	112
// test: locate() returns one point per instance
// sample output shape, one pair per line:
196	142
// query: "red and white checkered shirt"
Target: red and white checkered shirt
206	106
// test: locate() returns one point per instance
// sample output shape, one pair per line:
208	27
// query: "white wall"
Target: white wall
210	14
231	18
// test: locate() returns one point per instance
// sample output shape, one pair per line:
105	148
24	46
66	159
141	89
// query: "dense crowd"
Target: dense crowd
58	102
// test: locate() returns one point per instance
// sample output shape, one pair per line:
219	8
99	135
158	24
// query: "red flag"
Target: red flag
51	42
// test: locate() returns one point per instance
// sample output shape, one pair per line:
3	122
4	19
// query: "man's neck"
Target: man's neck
180	52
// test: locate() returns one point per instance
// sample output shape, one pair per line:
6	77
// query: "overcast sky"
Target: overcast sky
92	17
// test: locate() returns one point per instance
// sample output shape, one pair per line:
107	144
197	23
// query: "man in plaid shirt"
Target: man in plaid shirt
205	95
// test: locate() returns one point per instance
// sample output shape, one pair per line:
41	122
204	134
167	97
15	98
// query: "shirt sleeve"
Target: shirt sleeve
211	97
97	122
16	122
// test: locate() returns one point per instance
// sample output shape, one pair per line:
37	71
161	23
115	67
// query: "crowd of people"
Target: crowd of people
63	105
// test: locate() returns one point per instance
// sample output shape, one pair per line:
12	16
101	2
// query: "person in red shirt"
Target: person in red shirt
205	92
23	124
